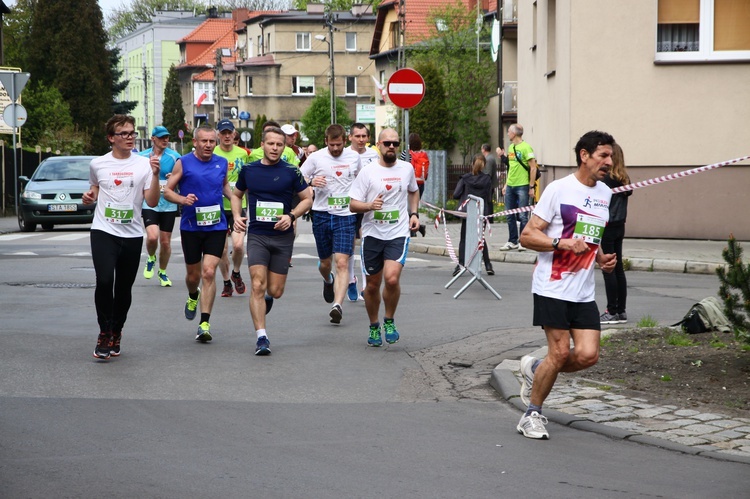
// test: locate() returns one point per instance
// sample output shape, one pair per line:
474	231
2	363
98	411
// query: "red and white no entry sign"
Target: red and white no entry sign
406	88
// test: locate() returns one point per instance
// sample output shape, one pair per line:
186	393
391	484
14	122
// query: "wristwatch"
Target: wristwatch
555	242
292	216
414	214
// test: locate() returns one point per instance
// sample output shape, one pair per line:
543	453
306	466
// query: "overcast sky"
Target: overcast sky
107	5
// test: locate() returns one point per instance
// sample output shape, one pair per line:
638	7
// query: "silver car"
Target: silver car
53	195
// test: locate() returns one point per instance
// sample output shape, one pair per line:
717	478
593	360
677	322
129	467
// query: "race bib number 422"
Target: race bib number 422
266	211
589	228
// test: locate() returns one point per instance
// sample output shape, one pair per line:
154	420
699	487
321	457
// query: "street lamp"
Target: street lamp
331	76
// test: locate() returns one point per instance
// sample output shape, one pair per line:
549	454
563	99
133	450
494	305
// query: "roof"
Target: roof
209	31
417	26
227	41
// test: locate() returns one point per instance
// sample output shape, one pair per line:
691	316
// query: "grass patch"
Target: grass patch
605	341
666	377
647	321
745	348
680	340
717	343
626	264
633	349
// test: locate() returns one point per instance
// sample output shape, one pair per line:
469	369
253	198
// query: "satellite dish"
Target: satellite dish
241	42
234	112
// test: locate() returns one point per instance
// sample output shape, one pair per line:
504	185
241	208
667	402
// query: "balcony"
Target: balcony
510	12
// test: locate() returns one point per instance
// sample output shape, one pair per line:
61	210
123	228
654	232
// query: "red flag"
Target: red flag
201	99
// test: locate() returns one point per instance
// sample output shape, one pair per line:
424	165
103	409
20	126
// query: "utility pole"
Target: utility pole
145	97
402	64
217	92
332	76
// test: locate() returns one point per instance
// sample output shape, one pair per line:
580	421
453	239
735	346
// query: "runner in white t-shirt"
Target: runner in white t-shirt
387	193
331	172
120	182
566	229
359	136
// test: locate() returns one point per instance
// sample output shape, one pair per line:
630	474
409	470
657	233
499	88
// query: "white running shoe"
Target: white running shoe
532	426
508	246
521	248
527	377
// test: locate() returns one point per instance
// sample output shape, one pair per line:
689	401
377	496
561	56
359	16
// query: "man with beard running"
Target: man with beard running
331	172
387	193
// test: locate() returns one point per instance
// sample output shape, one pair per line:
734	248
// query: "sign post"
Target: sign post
14	83
406	90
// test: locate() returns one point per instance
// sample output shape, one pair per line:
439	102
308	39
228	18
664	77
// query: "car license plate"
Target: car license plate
62	207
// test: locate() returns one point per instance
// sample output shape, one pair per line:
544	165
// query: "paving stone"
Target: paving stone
682	422
576	411
679	432
743	429
598	418
707	416
715	437
596	406
666	417
671	407
731	434
689	440
700	428
626	425
686	412
559	401
623	402
615	397
650	413
641	405
744	449
623	410
725	423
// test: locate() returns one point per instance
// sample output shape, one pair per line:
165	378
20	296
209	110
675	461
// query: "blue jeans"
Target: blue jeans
516	197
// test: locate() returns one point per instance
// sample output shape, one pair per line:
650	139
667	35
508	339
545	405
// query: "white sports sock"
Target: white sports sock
351	270
260	333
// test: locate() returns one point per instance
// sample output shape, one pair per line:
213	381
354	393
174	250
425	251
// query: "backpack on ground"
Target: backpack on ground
421	163
706	315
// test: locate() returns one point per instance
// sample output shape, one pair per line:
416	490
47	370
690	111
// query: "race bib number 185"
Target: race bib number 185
589	228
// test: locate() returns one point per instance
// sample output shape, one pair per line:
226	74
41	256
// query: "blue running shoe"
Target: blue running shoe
191	306
391	335
263	346
148	272
375	340
204	333
351	291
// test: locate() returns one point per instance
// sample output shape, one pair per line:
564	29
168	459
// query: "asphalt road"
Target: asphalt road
323	416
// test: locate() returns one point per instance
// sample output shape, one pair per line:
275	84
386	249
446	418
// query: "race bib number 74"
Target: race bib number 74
589	228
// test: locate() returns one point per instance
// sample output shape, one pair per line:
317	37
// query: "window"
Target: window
351	85
260	45
351	41
703	30
303	85
551	37
268	44
303	41
249	83
394	34
199	89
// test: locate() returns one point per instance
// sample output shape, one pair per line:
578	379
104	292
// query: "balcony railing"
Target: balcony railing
510	11
510	96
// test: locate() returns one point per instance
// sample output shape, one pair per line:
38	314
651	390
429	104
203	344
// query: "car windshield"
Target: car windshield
67	169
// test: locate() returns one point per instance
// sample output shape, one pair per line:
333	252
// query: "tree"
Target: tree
119	107
468	83
735	289
173	114
16	33
431	119
317	117
258	130
334	4
67	50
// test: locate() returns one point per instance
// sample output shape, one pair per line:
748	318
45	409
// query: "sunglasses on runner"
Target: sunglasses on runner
391	143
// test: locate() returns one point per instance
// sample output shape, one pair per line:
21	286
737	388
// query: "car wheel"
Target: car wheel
24	225
48	226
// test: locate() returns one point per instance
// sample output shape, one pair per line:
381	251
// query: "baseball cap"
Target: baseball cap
160	131
289	129
224	125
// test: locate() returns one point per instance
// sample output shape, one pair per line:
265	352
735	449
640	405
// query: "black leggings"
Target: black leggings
615	282
462	247
116	262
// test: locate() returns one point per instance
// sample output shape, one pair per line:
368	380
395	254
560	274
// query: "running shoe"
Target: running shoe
622	318
336	314
351	291
607	318
361	295
263	346
509	246
204	333
114	349
103	344
374	340
521	248
191	306
328	294
269	303
227	291
164	280
239	285
391	335
148	272
532	426
527	376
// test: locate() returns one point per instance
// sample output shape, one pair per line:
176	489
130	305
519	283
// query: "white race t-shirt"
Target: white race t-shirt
573	210
121	183
339	172
394	183
370	155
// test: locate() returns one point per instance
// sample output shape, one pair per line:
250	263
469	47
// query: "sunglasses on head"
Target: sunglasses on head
391	143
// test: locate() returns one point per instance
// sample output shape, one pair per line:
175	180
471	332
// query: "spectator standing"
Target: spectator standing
519	186
615	282
478	183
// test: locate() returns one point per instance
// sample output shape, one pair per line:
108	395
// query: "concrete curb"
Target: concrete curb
505	382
